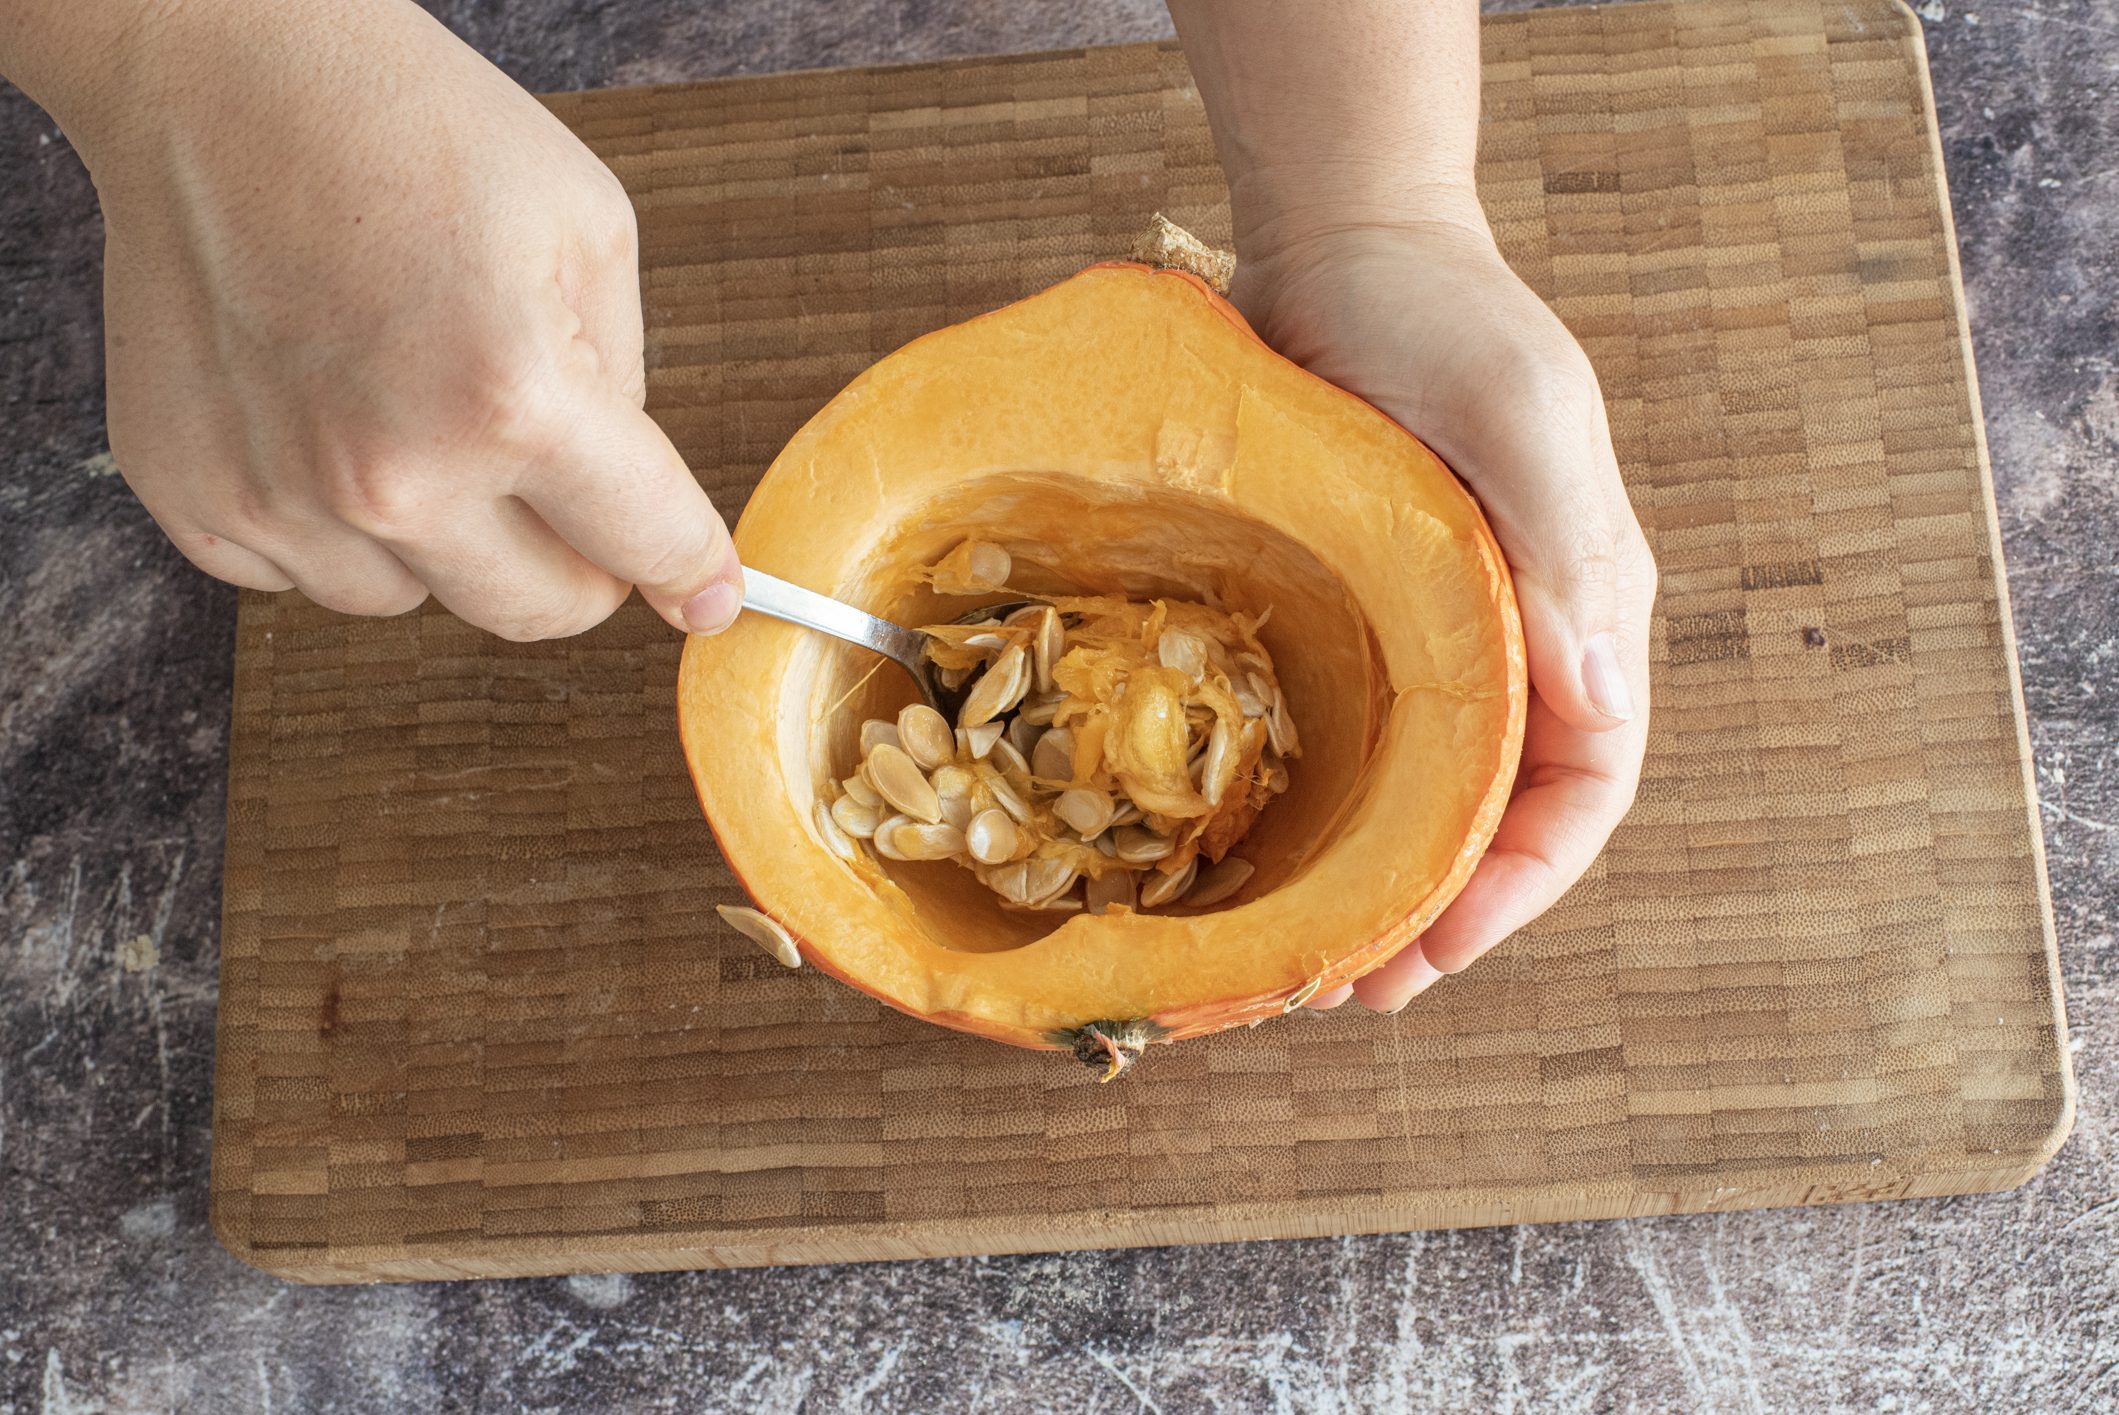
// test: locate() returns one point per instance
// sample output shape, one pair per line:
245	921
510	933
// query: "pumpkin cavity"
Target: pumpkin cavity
1144	737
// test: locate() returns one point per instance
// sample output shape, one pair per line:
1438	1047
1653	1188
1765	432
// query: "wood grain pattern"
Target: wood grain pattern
477	1016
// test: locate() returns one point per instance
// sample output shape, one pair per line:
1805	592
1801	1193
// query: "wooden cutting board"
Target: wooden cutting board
477	1014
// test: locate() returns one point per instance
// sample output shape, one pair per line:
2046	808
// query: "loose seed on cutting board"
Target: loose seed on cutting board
763	930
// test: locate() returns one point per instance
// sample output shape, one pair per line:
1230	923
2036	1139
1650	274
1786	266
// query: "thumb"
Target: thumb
617	490
1577	640
1584	578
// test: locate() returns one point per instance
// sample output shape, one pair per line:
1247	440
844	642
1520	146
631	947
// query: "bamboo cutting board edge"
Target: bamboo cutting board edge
1118	1228
2063	1121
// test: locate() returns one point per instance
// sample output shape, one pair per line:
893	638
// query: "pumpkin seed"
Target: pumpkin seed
1111	888
1277	778
835	840
1137	845
1011	764
1253	703
885	838
1057	904
976	742
875	732
1302	994
1280	727
857	787
901	782
925	735
1022	735
1219	772
1033	881
923	842
856	818
764	930
1161	889
1009	882
1128	814
954	785
1049	646
1218	882
991	837
1009	800
1052	758
1085	808
990	566
1041	709
1185	652
1000	688
1047	875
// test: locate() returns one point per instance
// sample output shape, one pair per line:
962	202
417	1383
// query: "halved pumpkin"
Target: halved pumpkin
1123	432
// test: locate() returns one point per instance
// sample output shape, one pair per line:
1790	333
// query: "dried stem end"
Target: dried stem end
1170	246
1110	1046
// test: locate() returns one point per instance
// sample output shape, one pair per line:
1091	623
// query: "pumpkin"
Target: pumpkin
1121	434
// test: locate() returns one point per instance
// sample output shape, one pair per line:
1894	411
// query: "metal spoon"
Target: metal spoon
776	598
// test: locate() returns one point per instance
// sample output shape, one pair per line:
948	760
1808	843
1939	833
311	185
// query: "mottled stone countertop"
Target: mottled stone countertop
114	709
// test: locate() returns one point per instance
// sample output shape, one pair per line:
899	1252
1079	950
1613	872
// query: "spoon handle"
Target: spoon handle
773	596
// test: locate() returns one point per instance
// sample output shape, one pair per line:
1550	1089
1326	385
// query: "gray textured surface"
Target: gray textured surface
113	715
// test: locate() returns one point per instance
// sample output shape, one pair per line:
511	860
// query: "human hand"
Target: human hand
374	326
1427	322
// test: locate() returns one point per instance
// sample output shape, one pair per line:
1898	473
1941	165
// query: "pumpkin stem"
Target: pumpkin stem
1171	246
1110	1046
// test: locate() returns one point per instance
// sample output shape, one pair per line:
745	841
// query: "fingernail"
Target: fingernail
1425	976
713	608
1604	681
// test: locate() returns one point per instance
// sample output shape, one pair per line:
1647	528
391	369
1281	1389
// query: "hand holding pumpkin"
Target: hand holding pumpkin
1348	130
1428	323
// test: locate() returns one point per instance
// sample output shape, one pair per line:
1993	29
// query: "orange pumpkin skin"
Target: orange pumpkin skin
917	452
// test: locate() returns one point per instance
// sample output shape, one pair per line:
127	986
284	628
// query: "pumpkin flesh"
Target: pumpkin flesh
1123	433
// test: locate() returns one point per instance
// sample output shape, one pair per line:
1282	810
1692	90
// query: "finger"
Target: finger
212	550
1550	482
617	491
1326	1001
225	559
1399	981
607	302
497	565
341	569
1573	789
